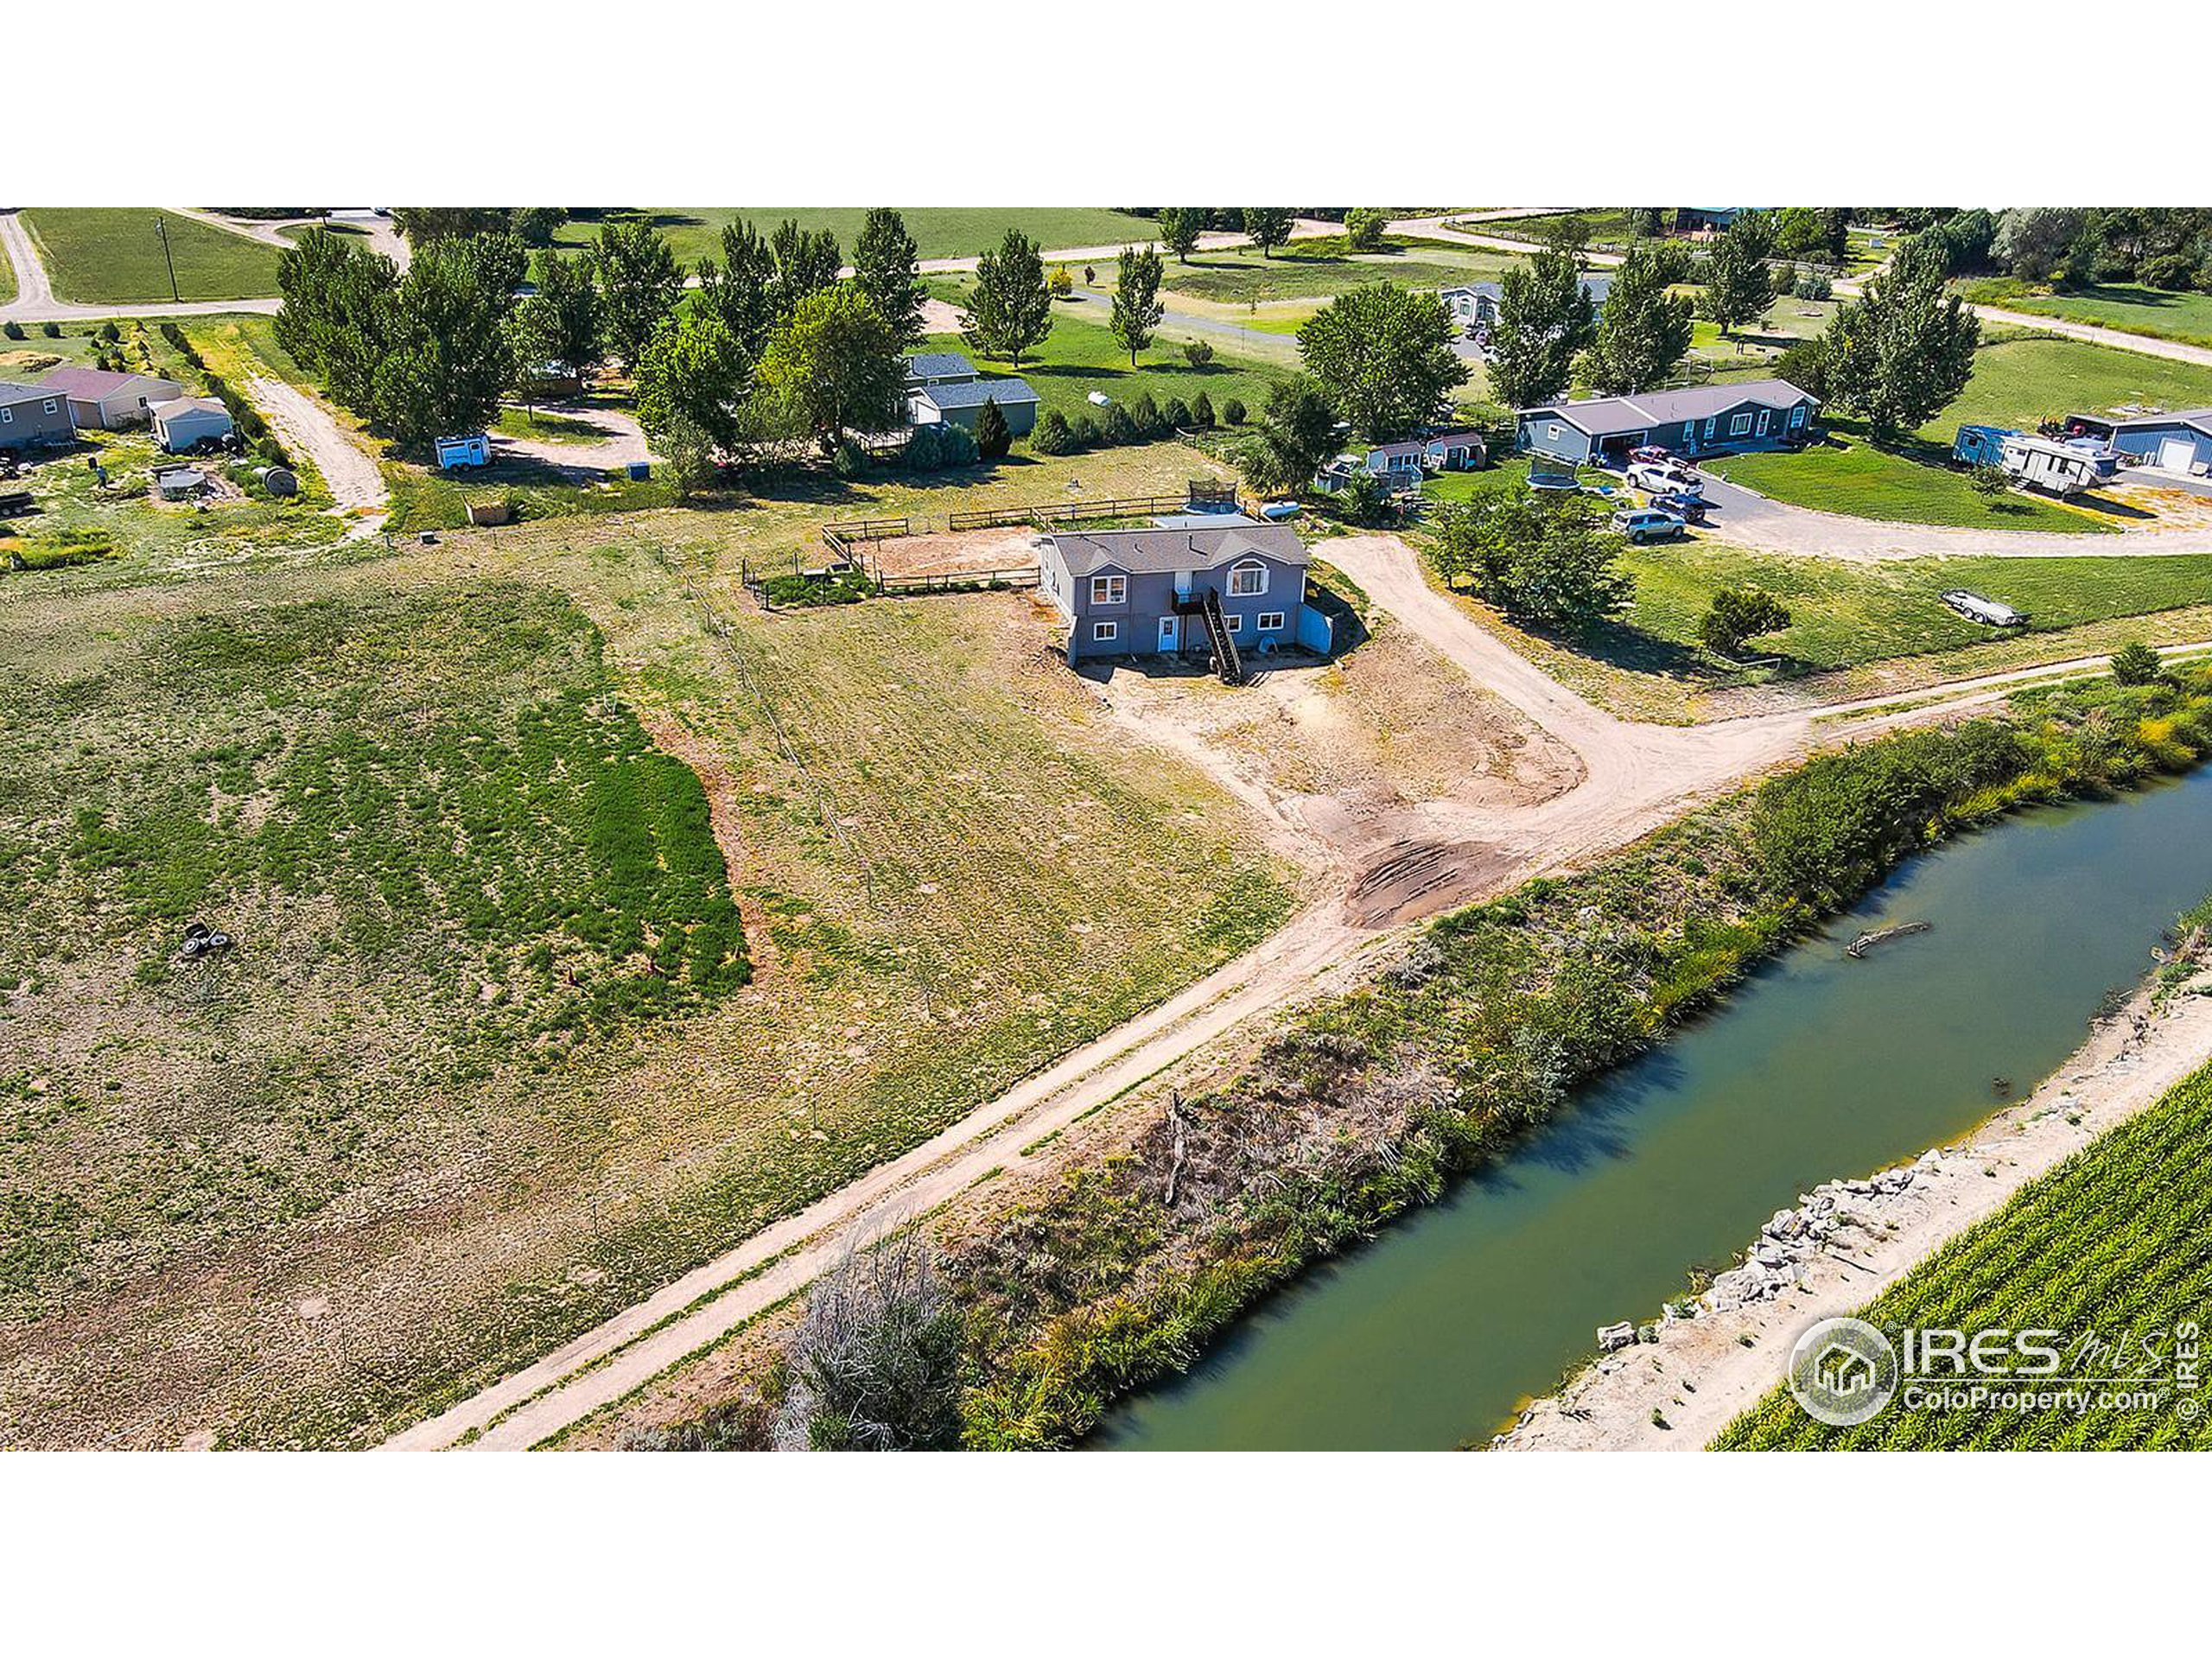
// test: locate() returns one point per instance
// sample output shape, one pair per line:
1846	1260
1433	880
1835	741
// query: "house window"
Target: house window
1797	416
1247	579
1104	631
1552	430
1739	424
1236	624
1109	590
1712	426
7	417
1270	622
53	406
1689	433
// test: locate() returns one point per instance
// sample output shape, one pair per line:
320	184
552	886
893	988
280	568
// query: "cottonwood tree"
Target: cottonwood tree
1545	321
1383	355
1898	355
1737	285
335	320
1268	227
1137	306
423	226
1737	615
889	269
1010	309
1551	562
1645	331
639	282
562	323
1179	228
448	357
1363	228
1296	432
807	261
740	290
694	373
833	370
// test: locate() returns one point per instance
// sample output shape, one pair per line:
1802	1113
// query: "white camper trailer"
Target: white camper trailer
2041	464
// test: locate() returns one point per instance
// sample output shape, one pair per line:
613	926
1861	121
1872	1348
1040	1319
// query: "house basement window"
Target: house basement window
1270	622
1105	631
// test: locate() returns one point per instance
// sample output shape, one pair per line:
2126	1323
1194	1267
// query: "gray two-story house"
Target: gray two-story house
34	417
1168	589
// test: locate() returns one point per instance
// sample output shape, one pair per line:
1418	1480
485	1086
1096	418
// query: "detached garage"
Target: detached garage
183	421
961	403
2179	443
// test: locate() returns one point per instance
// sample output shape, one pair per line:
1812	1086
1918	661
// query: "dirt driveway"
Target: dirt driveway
621	442
306	426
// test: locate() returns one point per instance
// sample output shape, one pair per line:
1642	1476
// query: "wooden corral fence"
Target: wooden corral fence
842	538
991	519
957	581
1136	506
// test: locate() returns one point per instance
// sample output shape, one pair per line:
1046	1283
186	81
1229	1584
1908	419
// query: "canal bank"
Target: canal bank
1435	1333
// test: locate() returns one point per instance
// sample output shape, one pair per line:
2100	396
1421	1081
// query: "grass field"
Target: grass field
2113	1242
2020	380
695	233
1319	269
96	255
1599	223
2126	306
1080	357
439	1097
1909	484
547	426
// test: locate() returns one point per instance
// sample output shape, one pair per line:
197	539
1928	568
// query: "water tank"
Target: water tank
278	480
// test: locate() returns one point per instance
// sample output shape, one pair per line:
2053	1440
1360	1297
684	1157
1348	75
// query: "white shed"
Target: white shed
183	421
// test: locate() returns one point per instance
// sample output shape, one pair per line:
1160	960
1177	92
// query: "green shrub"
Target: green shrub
1197	353
13	329
1202	412
1050	435
51	330
850	462
957	444
1118	426
1144	416
1174	414
1085	432
924	451
1232	412
2136	665
62	548
801	591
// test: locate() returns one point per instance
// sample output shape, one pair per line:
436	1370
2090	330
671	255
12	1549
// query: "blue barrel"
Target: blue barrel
641	469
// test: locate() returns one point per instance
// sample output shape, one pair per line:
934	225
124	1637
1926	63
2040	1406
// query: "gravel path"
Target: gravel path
356	485
625	442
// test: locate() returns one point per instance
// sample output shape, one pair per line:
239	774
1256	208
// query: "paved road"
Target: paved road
1636	777
1746	518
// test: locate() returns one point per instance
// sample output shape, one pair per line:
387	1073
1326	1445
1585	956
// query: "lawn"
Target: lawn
1319	269
1848	614
1080	357
2126	306
1910	485
2111	1243
446	1096
549	426
2020	380
695	233
1599	225
99	255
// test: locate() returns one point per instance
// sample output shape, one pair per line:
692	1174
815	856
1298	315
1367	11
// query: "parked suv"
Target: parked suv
1642	524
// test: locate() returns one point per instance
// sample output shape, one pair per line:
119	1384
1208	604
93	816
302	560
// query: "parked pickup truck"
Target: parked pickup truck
1642	524
1661	478
1686	504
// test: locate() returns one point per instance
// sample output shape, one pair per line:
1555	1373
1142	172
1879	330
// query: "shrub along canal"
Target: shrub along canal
1816	1066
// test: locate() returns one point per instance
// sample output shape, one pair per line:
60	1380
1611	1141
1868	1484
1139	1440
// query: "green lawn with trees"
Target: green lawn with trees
113	255
1319	267
2019	379
1078	357
695	233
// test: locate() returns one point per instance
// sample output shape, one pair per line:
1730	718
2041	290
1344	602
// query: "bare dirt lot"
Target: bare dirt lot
956	553
1373	764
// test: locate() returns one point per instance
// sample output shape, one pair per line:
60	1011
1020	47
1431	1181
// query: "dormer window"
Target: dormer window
1247	579
1109	590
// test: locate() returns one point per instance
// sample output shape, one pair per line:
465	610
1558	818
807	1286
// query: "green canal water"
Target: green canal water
1818	1066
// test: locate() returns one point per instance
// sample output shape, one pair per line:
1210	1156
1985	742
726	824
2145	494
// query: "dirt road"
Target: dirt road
624	441
1634	777
308	429
1609	1406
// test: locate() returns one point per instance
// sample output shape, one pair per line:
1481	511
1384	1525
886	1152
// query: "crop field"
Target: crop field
95	255
502	1046
2126	306
2117	1242
695	233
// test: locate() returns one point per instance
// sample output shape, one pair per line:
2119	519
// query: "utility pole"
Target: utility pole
162	229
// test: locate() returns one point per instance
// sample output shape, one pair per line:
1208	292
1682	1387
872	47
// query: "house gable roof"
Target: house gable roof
169	409
1600	416
1156	552
94	384
2199	419
974	394
927	365
15	391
